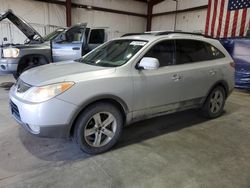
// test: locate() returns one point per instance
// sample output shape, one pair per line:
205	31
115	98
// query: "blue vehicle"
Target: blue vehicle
239	48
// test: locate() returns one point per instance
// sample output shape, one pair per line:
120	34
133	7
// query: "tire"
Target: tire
92	134
214	104
28	65
19	72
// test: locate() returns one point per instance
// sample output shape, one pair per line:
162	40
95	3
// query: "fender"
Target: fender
105	98
222	83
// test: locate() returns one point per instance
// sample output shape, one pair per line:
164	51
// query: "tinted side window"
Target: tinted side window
163	51
214	52
188	51
97	36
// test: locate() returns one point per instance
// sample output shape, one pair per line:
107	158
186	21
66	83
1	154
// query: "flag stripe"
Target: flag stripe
243	22
223	25
237	33
234	27
214	17
227	18
208	16
226	24
220	18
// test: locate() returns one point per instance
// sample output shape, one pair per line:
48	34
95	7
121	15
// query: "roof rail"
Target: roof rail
131	34
181	32
159	33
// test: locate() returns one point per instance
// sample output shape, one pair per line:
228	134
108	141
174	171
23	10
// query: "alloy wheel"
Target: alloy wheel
216	101
100	129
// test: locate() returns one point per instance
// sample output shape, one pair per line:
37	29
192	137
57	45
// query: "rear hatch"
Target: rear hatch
27	30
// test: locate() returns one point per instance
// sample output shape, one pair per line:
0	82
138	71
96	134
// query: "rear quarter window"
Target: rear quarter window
190	51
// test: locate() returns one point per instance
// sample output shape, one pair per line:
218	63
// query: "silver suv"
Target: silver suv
123	81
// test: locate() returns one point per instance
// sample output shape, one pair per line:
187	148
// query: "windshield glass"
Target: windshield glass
54	34
114	53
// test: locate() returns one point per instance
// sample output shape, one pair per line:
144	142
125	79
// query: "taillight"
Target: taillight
232	64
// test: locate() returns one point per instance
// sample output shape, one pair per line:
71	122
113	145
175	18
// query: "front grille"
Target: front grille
22	86
15	111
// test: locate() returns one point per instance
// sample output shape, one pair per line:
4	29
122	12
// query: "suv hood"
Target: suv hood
27	30
63	71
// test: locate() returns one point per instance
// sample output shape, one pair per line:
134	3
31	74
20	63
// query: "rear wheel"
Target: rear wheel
214	104
98	128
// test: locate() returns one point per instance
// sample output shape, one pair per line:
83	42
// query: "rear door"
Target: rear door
69	45
196	62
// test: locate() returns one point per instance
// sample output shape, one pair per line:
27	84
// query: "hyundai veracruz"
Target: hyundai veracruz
123	81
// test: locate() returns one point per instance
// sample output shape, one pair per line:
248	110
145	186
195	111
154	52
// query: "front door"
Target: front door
69	45
157	91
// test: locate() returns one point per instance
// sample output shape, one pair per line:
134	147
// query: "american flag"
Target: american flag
227	18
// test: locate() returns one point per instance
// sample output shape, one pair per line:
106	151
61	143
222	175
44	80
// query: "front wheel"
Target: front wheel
98	128
214	104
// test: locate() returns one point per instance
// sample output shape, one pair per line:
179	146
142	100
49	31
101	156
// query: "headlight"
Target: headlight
44	93
11	52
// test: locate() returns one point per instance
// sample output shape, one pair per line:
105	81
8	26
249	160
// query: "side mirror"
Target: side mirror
5	39
149	63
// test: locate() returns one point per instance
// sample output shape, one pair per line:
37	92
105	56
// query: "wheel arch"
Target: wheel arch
114	100
221	83
29	56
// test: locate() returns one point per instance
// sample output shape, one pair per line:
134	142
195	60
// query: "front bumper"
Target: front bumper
51	118
8	65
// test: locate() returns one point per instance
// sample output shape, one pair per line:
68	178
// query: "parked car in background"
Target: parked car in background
123	81
62	44
239	49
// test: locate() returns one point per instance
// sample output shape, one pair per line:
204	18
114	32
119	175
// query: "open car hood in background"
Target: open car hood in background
27	30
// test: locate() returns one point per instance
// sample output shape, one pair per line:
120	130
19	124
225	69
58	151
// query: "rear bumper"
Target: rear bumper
8	65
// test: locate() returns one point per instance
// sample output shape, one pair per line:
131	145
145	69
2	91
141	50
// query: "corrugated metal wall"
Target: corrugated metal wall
46	17
187	21
43	17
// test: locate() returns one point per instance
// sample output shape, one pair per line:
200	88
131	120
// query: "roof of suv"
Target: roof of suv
152	36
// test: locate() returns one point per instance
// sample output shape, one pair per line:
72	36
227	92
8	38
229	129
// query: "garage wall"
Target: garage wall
117	24
187	21
44	17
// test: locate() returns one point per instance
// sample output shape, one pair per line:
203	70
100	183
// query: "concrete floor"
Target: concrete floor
180	150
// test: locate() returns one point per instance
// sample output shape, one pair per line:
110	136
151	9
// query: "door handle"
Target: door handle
176	77
212	72
76	48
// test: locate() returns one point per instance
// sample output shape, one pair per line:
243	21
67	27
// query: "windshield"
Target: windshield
114	53
52	35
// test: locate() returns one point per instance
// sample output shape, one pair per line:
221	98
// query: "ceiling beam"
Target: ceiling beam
155	2
90	7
